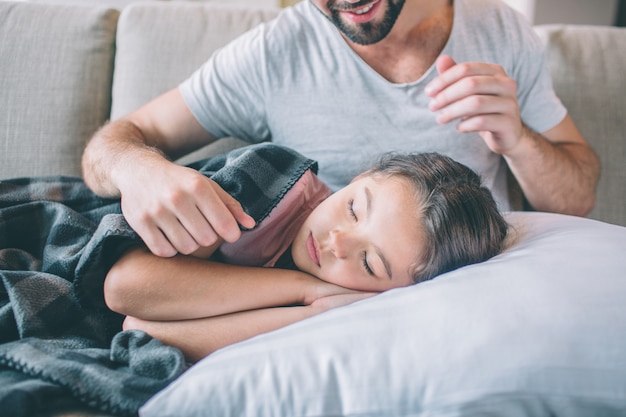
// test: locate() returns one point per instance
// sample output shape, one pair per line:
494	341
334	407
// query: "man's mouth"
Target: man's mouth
364	10
362	14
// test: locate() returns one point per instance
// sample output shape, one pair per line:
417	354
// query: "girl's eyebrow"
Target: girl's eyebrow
368	200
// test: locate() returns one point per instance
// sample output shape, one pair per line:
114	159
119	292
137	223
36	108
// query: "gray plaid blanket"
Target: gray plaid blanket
59	344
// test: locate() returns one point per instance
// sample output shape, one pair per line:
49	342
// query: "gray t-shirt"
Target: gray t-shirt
296	82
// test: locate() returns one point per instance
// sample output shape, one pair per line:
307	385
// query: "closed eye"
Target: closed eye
351	210
366	265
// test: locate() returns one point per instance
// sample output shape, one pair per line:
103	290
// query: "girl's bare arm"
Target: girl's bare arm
148	287
199	337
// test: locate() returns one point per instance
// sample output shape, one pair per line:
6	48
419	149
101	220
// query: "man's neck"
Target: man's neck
418	37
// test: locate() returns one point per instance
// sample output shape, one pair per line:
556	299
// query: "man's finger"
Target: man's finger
156	242
236	210
443	63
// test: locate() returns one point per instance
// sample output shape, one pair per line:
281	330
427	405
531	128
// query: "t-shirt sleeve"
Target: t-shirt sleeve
540	107
226	94
491	31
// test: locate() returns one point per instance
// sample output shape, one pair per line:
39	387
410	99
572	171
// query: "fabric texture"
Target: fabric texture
599	85
255	89
57	242
167	36
55	83
268	241
536	331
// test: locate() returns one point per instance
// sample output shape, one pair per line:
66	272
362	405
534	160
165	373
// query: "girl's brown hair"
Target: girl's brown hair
460	218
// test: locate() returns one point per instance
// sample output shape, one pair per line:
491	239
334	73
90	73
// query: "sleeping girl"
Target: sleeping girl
407	219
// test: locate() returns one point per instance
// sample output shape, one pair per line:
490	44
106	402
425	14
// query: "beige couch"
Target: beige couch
66	70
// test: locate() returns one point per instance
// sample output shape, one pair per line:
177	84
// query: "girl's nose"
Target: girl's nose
340	243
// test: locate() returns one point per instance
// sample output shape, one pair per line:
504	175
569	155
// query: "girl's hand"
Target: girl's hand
316	289
340	300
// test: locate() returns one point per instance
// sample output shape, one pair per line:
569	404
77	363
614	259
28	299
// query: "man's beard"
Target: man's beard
370	32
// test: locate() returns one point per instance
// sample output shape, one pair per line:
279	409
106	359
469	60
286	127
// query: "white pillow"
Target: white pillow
538	330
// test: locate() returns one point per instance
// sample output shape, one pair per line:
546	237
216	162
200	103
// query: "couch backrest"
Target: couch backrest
56	67
176	38
588	64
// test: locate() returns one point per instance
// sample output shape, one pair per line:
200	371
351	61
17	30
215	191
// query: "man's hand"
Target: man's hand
482	97
557	169
175	209
172	208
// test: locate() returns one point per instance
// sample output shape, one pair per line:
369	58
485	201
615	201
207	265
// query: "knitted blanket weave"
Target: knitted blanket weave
59	344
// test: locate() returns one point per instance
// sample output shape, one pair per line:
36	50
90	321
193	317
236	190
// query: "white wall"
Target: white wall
527	7
586	12
122	3
589	12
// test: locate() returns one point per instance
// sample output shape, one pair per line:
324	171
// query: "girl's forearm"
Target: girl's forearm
199	337
143	285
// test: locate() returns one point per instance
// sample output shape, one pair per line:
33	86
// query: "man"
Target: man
341	81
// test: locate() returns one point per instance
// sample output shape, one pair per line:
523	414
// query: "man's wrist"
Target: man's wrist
527	142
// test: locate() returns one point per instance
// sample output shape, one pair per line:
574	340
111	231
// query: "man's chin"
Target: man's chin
373	31
363	35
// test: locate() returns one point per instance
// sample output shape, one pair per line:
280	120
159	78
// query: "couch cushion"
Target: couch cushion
587	64
55	79
161	44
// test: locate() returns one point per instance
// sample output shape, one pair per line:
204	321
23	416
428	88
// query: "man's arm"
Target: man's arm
557	170
173	208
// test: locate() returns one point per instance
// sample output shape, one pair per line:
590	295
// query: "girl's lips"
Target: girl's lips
363	14
311	247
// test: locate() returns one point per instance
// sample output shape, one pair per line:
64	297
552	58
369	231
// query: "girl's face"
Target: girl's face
366	236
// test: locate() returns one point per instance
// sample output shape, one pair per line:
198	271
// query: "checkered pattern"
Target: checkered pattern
57	241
